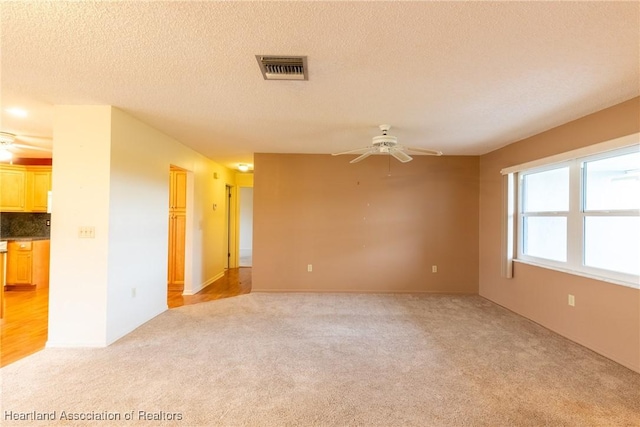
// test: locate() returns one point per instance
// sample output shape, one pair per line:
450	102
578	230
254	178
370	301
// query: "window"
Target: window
610	213
583	215
545	209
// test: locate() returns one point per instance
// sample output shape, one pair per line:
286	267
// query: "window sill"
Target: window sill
581	273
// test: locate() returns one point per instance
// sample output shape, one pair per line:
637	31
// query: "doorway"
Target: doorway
245	226
228	221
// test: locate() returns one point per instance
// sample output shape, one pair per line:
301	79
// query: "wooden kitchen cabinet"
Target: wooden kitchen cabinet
38	187
177	228
178	190
28	263
19	263
2	276
24	188
12	188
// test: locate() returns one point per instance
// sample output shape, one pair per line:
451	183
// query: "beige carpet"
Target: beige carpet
329	360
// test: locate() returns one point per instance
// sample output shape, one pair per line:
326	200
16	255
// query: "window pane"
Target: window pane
613	243
546	237
613	183
547	191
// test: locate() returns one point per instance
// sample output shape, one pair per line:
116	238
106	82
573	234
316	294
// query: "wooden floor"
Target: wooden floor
236	281
25	324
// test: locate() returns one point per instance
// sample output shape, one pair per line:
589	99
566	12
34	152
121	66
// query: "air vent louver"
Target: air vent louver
283	67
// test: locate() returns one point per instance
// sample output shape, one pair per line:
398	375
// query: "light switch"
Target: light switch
87	232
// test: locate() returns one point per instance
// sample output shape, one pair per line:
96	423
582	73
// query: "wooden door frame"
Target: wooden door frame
231	226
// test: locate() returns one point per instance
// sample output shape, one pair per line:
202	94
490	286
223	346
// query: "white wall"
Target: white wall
246	220
130	199
80	197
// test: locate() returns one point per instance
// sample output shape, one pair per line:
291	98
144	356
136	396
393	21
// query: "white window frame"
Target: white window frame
575	220
558	214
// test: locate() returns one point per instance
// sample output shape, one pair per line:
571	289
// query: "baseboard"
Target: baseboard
589	346
205	284
106	343
357	291
72	344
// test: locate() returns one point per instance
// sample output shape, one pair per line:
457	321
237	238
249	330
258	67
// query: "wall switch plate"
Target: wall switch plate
434	268
309	268
572	300
87	232
133	292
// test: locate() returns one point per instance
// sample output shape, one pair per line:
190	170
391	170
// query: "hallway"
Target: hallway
236	281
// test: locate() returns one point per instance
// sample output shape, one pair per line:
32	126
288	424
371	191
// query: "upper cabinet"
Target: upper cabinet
39	182
178	190
13	184
24	188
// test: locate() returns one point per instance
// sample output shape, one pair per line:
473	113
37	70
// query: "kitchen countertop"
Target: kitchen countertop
23	239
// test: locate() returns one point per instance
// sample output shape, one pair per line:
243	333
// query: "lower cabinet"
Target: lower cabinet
177	228
28	263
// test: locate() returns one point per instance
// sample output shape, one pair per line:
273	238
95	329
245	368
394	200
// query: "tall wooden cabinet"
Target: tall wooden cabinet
177	227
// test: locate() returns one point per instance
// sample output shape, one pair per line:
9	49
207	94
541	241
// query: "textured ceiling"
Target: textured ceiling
460	77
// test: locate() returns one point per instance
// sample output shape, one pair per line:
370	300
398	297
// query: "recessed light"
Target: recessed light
17	112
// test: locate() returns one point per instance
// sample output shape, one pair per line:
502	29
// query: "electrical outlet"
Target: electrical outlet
434	268
309	268
48	222
572	300
87	232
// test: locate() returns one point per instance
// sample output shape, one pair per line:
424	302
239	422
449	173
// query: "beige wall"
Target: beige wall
606	317
364	231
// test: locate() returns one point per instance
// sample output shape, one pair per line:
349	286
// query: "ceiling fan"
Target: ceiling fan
8	145
387	144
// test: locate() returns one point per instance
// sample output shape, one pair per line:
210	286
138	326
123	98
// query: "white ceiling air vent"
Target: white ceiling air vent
283	67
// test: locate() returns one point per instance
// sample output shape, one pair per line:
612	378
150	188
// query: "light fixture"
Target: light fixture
5	154
243	167
17	112
6	139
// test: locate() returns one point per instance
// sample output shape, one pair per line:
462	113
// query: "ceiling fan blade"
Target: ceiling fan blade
400	155
33	139
423	151
361	157
30	147
357	150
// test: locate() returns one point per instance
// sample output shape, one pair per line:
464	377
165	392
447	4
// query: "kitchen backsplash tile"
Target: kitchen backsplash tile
23	224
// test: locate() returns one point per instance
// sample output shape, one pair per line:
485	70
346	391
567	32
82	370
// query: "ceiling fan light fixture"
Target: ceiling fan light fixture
5	155
387	144
7	138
